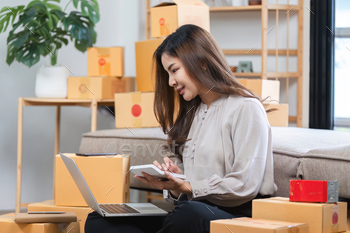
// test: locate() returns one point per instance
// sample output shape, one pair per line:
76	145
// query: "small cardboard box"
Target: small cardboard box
8	225
321	217
106	61
98	87
144	51
348	221
262	88
279	117
107	177
81	212
167	16
251	225
135	110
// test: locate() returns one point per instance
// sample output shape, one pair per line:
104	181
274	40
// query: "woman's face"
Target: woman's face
178	77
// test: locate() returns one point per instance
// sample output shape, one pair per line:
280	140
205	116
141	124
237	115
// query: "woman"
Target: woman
223	128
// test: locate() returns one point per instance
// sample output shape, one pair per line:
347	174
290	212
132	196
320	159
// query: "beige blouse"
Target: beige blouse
228	160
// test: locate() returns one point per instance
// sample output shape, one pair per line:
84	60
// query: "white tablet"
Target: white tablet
153	171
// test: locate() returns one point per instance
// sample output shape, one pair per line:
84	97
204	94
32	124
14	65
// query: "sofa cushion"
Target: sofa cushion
311	154
299	153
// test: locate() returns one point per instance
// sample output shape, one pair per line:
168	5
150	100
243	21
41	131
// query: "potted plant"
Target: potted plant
40	29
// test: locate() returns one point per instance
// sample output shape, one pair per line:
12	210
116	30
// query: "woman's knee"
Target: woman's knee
188	216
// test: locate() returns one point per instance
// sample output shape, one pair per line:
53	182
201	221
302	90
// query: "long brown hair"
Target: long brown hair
196	48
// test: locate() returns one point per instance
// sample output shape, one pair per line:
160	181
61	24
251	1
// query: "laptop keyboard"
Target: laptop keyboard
117	209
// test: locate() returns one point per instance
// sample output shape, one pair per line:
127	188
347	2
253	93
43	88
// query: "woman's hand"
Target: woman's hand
168	166
174	184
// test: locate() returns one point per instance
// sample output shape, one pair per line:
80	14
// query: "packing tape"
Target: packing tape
335	218
293	229
49	202
137	123
84	92
104	64
136	98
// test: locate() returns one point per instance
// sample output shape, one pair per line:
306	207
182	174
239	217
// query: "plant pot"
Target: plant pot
51	82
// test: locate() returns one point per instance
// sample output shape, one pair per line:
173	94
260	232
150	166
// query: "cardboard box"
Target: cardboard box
279	117
166	17
349	220
107	177
144	51
106	61
135	110
81	212
8	225
98	87
263	88
321	217
250	225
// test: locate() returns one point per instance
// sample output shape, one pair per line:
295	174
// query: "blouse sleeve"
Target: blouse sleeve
250	137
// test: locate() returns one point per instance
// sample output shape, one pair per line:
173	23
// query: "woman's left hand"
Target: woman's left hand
172	183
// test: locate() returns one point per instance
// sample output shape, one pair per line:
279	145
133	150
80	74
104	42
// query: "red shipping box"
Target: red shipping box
313	191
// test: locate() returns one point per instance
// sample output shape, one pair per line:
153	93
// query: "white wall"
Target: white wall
122	23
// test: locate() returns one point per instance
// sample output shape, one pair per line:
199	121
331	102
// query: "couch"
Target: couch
299	153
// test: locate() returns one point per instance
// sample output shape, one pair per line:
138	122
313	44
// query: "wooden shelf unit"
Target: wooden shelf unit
264	52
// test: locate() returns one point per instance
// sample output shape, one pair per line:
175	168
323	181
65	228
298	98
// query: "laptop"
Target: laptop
109	210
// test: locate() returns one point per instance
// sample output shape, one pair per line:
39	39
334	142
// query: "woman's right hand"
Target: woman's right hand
168	166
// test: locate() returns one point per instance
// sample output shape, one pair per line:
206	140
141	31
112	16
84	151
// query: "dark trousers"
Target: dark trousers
187	217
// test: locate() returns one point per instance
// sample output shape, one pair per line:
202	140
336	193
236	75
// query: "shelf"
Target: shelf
282	75
269	75
236	8
254	8
292	52
251	8
247	74
282	7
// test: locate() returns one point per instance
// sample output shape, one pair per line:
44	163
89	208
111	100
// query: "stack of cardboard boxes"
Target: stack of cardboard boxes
107	177
105	75
269	90
278	214
135	109
312	207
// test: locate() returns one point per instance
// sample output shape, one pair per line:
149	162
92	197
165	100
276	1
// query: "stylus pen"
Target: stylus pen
46	212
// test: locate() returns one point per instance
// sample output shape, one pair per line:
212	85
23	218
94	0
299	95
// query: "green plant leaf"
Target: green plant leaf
6	14
25	18
37	29
5	8
11	54
80	27
59	14
37	4
89	8
21	40
58	44
54	7
51	1
42	50
32	57
20	52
